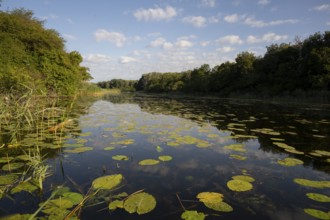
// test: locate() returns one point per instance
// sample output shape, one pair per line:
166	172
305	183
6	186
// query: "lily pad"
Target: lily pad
317	213
120	157
294	151
318	197
116	204
219	206
74	197
237	157
323	153
25	186
290	162
148	162
312	183
8	179
141	203
12	166
283	145
109	148
79	150
193	215
210	197
235	147
239	185
245	178
107	182
165	158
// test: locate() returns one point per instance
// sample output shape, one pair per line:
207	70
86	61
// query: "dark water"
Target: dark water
204	164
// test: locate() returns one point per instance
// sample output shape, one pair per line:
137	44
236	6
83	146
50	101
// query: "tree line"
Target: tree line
285	68
33	57
125	85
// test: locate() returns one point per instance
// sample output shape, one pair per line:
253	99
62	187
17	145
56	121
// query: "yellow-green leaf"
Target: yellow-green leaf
107	182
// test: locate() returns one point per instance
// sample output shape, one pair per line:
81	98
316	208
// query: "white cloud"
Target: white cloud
197	21
225	49
183	44
269	37
126	59
208	3
328	23
232	18
161	42
251	21
97	58
117	38
324	7
155	14
229	39
204	43
263	2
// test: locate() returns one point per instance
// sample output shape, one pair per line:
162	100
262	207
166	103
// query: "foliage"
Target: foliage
125	85
35	57
107	182
286	68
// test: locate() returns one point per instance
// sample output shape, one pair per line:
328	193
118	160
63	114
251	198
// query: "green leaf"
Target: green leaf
120	157
116	204
239	185
24	186
210	197
312	183
290	162
245	178
8	179
165	158
12	166
107	182
74	197
140	203
79	150
318	197
317	213
109	148
148	162
193	215
219	206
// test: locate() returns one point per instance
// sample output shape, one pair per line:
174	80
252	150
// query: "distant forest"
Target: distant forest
285	68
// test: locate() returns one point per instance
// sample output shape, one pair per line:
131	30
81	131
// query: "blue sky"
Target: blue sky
126	38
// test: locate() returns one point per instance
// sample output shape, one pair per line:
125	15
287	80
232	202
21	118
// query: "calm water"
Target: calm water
199	135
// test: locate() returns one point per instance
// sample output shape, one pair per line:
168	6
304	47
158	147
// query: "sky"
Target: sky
123	39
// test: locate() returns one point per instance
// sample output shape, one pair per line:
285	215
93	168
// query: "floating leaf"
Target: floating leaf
107	182
74	197
5	159
290	162
17	217
283	145
235	147
79	150
109	148
245	178
193	215
165	158
210	197
120	157
323	153
317	213
219	206
25	186
294	151
237	157
8	179
318	197
140	203
148	162
239	185
312	183
12	166
120	195
116	204
159	149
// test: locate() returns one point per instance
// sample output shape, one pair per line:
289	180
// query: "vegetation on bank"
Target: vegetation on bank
35	58
124	85
287	68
